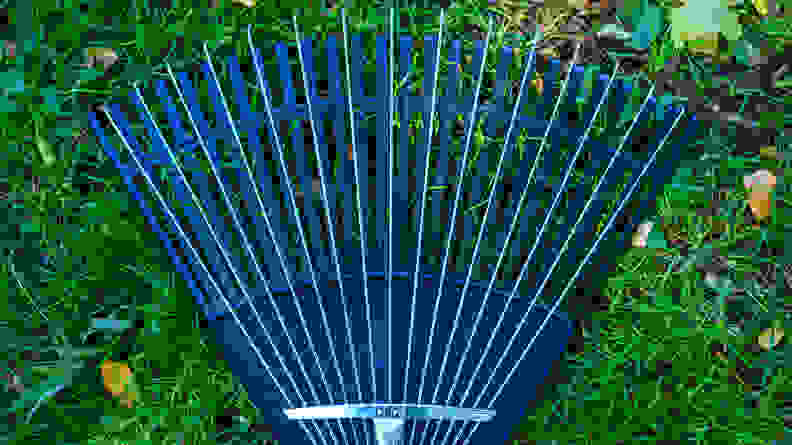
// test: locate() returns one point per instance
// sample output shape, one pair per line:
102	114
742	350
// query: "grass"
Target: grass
670	355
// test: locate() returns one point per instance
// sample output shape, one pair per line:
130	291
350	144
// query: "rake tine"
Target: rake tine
541	231
528	68
200	261
215	172
329	219
357	201
421	217
444	269
613	159
391	63
515	220
582	264
273	128
266	219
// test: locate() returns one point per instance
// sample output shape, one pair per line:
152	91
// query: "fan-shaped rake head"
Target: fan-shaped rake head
395	278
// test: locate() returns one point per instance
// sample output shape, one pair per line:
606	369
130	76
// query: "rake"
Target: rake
391	289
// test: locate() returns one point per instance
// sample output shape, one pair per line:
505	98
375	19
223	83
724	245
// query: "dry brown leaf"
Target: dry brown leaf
770	337
577	4
760	186
760	204
117	379
538	83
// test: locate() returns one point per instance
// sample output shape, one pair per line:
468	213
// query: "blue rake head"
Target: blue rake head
361	298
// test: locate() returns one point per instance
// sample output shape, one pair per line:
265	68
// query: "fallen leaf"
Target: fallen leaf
760	186
770	337
117	379
105	57
761	6
550	52
702	43
538	83
769	152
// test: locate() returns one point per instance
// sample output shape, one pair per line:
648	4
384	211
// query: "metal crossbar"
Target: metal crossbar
346	323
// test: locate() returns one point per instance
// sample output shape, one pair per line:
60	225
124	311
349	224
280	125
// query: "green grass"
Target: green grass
646	368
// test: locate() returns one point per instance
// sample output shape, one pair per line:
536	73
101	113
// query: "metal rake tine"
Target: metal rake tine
195	199
423	207
391	63
360	212
200	261
267	222
528	68
293	201
569	237
330	231
584	262
412	323
326	205
582	141
458	194
466	286
551	210
544	225
514	223
357	196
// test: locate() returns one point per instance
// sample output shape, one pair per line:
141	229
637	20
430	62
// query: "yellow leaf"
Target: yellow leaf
769	152
117	379
761	6
248	3
100	56
702	43
760	186
770	337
